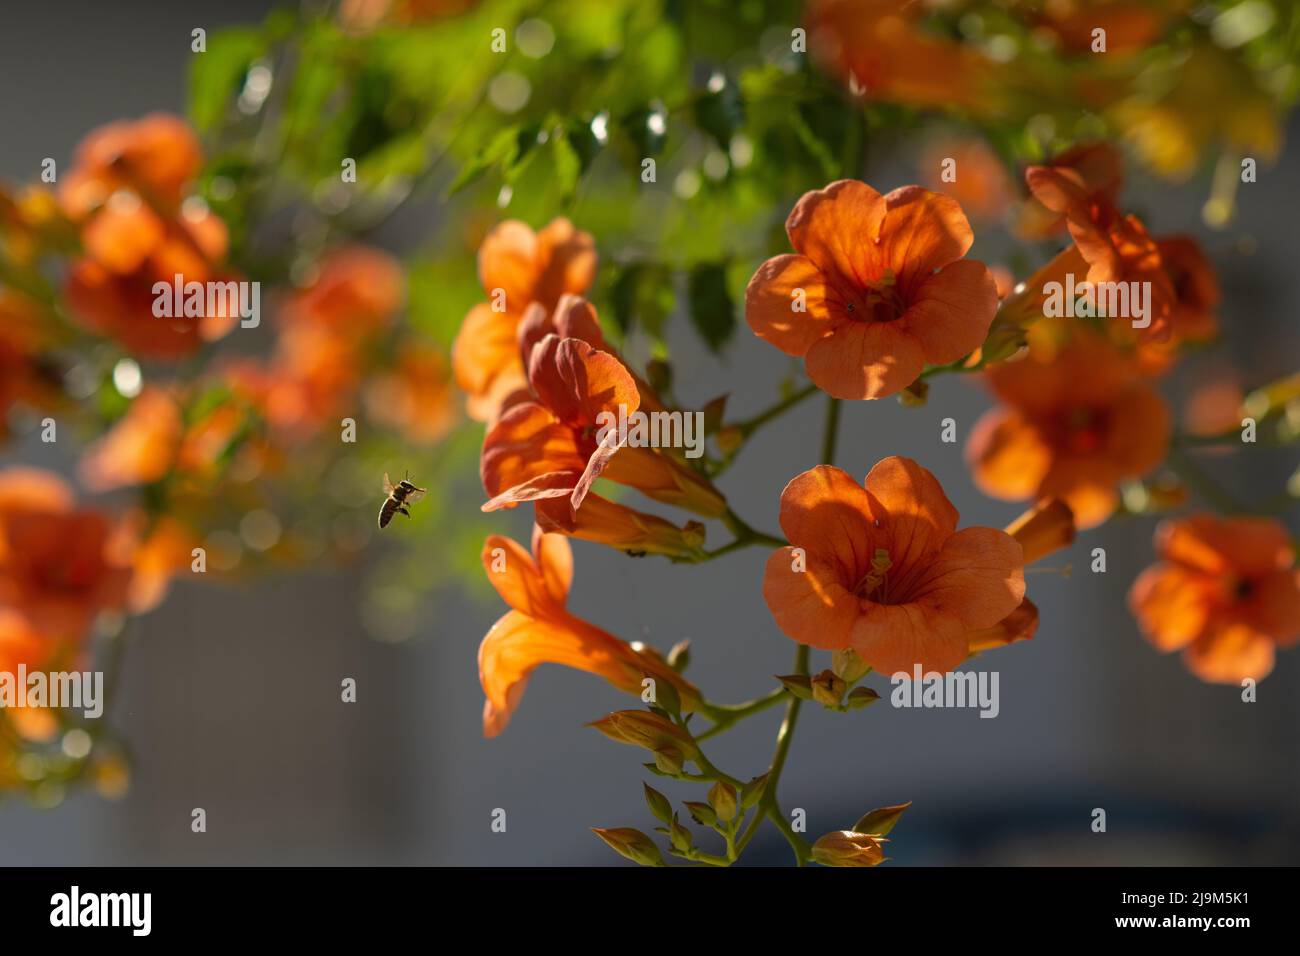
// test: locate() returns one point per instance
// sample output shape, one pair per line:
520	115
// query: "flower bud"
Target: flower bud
861	697
846	848
752	792
669	761
658	804
679	836
701	813
679	657
631	844
642	728
879	822
828	689
722	797
797	684
729	439
847	664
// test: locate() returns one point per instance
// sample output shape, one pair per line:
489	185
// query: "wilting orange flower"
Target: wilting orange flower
516	267
1073	427
539	630
126	192
877	288
1117	247
1100	171
415	395
549	448
55	562
882	569
1226	592
877	46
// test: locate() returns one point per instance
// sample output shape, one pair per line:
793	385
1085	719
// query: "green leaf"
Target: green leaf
642	295
506	152
217	75
713	313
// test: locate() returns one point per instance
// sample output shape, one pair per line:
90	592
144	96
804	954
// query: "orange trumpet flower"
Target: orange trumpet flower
877	288
1226	592
516	267
539	630
881	568
1073	427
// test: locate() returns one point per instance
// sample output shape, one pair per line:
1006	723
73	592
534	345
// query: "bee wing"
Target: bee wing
388	485
416	495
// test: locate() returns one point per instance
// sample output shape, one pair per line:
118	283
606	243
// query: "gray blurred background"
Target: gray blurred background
230	698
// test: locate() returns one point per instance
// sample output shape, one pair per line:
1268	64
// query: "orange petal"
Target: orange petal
1138	438
829	515
893	638
1087	485
485	350
555	559
914	517
811	606
831	227
524	443
922	231
770	301
861	360
122	234
977	578
508	260
517	644
1244	546
577	383
518	579
952	310
1007	455
1229	653
568	262
1172	604
551	484
1273	607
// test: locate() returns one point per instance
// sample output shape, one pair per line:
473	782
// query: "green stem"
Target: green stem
1196	479
725	716
768	803
830	435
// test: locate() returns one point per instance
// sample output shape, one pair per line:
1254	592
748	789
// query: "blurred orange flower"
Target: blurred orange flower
881	568
980	182
126	192
539	630
55	562
354	291
1072	427
415	395
1226	592
1116	246
878	47
140	448
877	289
516	267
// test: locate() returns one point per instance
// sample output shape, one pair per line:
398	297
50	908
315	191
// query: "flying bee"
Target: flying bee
399	496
